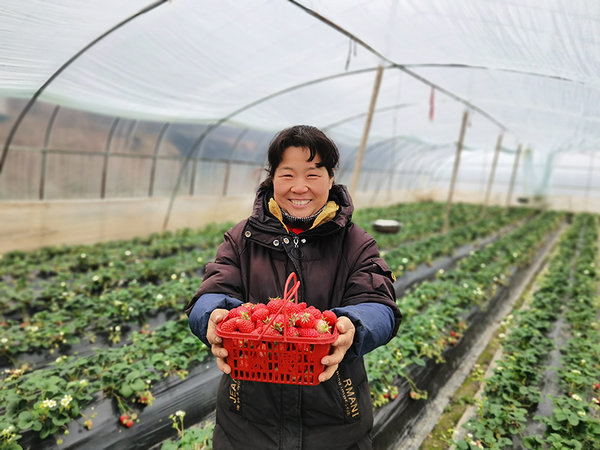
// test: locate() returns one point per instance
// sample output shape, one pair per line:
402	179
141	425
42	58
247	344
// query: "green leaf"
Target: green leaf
138	385
125	390
25	420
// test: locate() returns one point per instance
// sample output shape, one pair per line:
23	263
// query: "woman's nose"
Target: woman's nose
299	188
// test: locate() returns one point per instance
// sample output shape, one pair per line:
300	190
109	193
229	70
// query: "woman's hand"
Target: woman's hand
346	329
216	343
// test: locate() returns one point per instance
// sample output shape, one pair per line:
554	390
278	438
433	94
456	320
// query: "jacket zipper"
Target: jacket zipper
296	257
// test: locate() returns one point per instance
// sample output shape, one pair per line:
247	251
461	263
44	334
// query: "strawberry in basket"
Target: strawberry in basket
282	341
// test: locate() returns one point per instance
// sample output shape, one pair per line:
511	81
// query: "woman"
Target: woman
301	222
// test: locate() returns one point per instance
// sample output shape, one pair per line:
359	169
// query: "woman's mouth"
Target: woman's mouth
300	203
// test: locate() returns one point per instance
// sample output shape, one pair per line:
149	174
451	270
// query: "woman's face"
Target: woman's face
300	187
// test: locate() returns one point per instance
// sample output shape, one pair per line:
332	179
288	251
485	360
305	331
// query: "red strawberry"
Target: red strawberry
308	332
291	308
229	325
260	314
597	386
322	326
236	312
275	305
314	312
330	317
244	325
249	306
278	322
129	423
272	332
292	332
124	418
307	320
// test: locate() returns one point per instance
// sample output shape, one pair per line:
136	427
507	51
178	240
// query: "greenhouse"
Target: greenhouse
135	135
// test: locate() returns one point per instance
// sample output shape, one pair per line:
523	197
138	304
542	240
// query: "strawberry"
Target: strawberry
291	308
292	332
272	332
597	386
314	312
330	317
275	305
322	326
249	306
236	312
278	322
129	423
244	325
307	320
308	332
124	418
229	325
260	314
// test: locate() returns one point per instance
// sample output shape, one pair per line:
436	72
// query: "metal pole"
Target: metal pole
513	176
106	153
365	136
45	152
488	191
161	136
459	146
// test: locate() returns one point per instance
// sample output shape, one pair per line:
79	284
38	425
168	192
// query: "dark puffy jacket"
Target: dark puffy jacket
338	265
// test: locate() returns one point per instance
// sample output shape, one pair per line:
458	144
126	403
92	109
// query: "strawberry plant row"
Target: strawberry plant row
575	419
409	257
416	223
44	401
437	314
54	260
512	394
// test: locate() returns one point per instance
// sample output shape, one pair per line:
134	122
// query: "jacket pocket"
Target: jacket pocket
335	401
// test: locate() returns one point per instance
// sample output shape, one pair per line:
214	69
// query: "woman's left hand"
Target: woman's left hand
346	329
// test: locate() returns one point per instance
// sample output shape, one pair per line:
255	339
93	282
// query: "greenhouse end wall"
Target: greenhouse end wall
28	225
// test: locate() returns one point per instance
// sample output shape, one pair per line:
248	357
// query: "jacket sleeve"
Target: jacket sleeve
206	304
222	276
370	281
374	324
369	297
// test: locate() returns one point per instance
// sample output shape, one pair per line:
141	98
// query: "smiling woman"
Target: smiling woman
301	223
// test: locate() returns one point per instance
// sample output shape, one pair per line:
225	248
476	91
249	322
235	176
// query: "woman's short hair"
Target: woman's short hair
303	136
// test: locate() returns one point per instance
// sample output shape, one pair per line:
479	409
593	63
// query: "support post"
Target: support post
42	189
109	141
459	146
365	136
513	176
488	190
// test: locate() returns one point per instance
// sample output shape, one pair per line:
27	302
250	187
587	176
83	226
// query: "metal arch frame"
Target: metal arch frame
47	134
66	64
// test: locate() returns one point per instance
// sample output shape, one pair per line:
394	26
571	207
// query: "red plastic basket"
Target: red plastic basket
277	359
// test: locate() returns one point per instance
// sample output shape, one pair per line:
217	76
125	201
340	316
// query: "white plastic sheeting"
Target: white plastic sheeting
527	68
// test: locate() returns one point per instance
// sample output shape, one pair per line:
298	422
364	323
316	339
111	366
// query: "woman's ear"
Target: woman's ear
330	182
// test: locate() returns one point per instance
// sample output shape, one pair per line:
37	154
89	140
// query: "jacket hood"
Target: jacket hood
338	193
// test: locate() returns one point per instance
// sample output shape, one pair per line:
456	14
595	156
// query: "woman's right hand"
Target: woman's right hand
216	343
